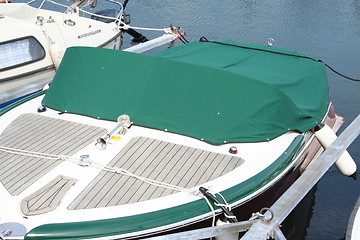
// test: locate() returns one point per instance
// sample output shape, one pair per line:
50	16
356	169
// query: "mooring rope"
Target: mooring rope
204	39
212	210
94	164
225	207
27	153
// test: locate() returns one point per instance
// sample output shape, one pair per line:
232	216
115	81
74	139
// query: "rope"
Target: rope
225	207
203	39
124	172
183	39
342	75
212	210
94	164
146	180
32	154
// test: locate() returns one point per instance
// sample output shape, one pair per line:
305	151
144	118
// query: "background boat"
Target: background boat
353	231
35	35
34	39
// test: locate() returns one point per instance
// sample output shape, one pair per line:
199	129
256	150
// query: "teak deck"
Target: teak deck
37	133
158	160
163	161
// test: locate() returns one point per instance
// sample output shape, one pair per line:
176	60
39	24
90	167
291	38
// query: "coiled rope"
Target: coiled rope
203	39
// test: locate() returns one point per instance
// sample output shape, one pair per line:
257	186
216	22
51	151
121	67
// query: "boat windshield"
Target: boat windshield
19	52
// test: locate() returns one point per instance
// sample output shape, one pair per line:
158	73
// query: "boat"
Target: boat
353	228
33	40
128	145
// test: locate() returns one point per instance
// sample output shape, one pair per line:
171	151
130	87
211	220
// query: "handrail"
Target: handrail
71	8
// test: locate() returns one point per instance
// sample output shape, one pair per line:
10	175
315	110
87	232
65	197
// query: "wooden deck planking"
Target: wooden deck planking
28	174
37	164
161	172
36	133
92	191
175	178
211	167
106	182
230	165
174	168
48	197
99	182
11	133
163	149
154	159
195	180
124	195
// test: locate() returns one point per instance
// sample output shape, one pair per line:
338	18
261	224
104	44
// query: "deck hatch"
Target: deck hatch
33	132
158	160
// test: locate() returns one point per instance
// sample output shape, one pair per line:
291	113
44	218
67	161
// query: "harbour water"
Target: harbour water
327	30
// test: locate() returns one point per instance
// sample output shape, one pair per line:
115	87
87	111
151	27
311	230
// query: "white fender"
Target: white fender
345	163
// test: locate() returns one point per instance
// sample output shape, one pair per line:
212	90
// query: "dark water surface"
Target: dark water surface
327	30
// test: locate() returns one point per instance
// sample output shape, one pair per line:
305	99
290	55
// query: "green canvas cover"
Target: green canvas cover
209	91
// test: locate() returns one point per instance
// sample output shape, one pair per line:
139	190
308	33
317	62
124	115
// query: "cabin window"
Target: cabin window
19	52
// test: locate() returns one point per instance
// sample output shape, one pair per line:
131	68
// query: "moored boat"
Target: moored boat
34	39
130	145
353	229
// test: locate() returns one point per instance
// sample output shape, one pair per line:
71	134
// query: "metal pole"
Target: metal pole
207	232
142	47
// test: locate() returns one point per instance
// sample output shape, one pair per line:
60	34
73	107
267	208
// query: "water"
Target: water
328	30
